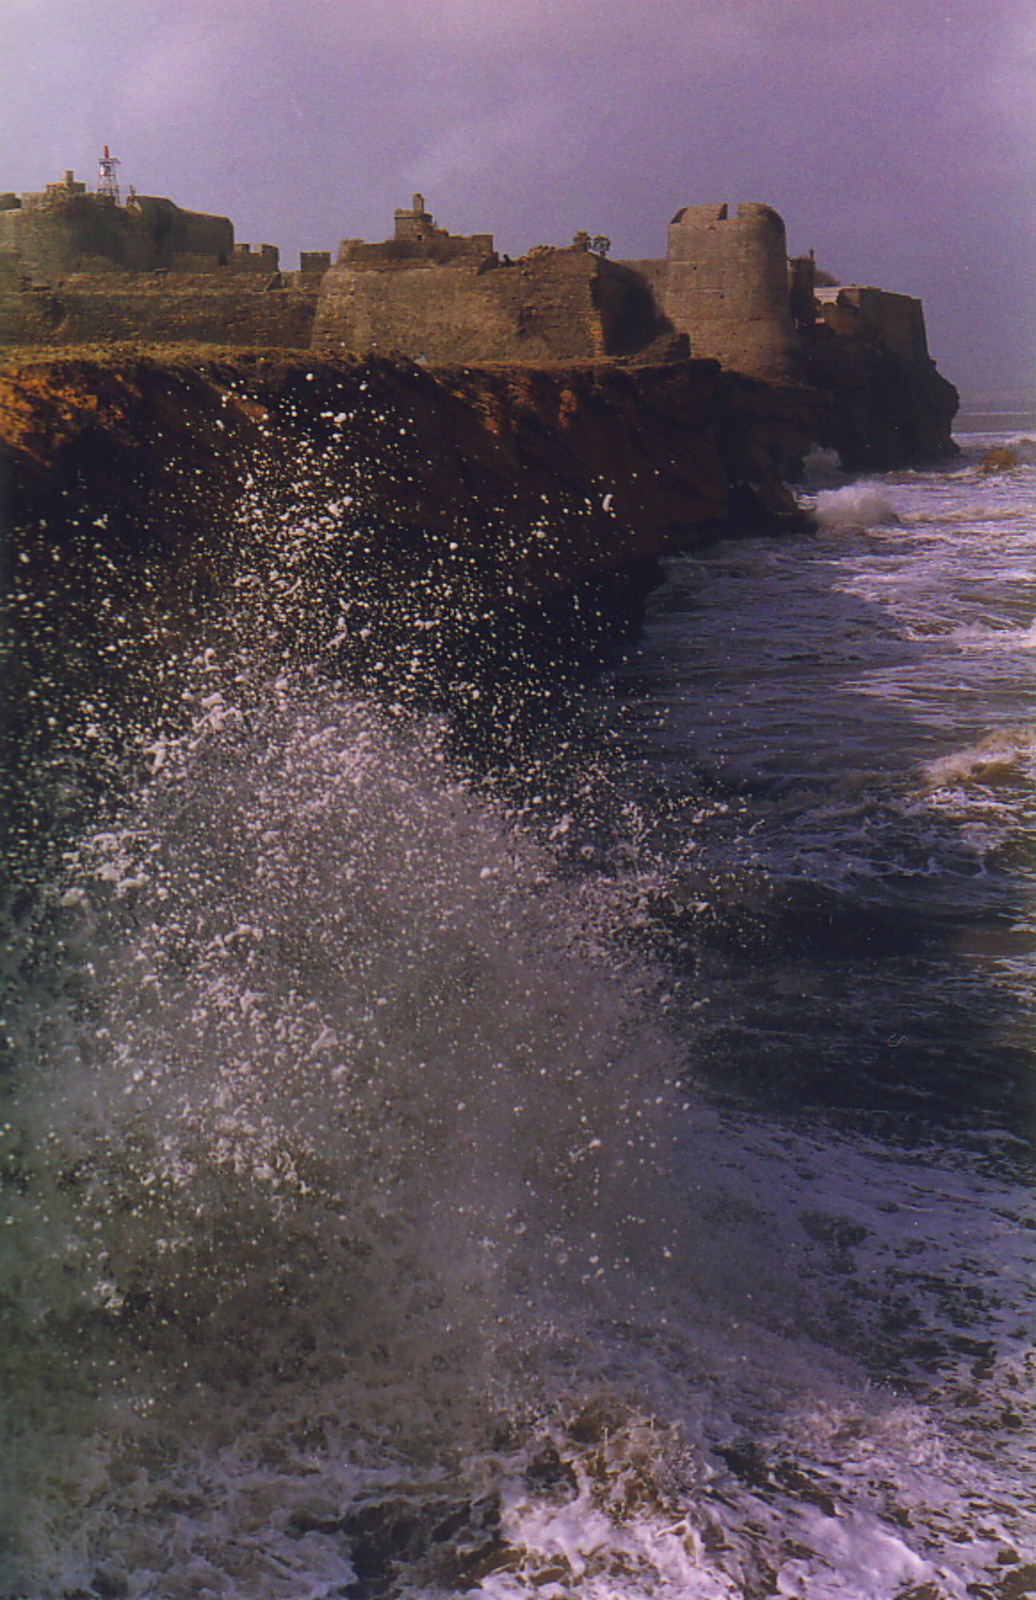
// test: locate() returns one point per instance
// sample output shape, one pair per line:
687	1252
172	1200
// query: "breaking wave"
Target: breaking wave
378	1219
854	506
366	1234
1024	447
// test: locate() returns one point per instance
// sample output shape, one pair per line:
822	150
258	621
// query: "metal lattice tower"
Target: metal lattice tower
107	183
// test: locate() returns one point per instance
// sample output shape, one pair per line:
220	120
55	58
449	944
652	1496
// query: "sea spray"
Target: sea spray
309	1042
856	505
371	1229
361	1232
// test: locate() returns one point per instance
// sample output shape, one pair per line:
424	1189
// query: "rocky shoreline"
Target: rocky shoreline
412	528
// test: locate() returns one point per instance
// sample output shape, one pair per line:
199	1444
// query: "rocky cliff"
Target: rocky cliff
415	530
879	409
540	477
443	535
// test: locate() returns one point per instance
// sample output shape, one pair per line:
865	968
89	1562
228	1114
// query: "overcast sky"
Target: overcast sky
896	137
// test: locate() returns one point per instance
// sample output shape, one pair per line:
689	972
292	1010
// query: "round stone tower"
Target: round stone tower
726	287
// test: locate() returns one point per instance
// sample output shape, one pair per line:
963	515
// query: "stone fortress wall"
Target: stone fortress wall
446	298
65	230
80	267
77	267
895	320
725	290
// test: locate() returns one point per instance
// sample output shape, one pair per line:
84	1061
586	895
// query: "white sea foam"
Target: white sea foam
983	637
1002	753
857	505
1024	447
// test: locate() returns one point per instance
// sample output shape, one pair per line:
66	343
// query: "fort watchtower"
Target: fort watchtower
418	240
54	195
417	226
726	285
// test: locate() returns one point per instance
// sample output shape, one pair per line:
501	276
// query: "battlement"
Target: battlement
417	239
257	257
725	288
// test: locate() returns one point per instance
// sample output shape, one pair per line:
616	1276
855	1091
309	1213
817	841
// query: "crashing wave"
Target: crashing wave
857	505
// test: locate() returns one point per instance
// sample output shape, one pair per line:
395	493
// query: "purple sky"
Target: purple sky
897	137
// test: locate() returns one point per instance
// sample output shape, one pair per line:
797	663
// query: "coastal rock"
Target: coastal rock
544	475
876	408
1000	459
413	530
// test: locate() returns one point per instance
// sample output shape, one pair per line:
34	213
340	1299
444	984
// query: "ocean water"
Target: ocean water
603	1172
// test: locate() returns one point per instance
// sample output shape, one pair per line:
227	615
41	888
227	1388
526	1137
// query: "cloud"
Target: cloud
477	146
183	66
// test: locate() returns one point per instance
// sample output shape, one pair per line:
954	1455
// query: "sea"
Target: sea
596	1166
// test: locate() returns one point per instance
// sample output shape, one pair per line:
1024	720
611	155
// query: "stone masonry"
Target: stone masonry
80	267
725	284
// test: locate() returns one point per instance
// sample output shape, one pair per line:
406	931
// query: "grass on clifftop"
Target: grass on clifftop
115	354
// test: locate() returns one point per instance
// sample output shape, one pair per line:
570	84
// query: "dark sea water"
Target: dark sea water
601	1175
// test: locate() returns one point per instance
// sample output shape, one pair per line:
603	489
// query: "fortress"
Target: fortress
85	268
79	267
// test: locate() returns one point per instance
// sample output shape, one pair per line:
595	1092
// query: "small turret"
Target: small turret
417	226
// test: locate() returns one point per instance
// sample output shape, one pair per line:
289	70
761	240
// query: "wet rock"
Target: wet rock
767	508
999	459
548	1474
400	1546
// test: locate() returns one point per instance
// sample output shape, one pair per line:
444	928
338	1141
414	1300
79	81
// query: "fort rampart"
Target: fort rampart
77	267
878	317
551	305
161	308
726	285
76	232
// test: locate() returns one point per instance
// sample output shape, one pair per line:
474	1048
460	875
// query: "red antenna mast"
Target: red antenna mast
107	183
